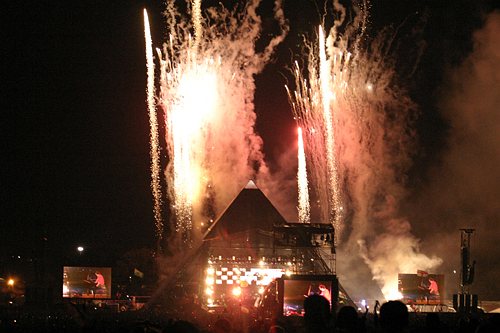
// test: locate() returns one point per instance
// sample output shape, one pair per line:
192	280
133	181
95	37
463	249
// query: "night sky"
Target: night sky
75	131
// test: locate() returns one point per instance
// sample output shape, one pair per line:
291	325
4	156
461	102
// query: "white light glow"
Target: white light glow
236	291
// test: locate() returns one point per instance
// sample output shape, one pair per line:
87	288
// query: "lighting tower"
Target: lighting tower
464	301
467	269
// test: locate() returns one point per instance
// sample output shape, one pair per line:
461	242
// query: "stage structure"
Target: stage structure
464	301
250	245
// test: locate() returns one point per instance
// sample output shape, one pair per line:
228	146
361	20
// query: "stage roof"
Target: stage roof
250	210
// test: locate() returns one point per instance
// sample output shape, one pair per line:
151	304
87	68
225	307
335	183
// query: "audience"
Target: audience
392	318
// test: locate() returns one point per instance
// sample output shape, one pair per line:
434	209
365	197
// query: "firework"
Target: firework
303	208
206	95
154	134
357	124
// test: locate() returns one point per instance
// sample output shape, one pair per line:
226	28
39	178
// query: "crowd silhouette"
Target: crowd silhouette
391	317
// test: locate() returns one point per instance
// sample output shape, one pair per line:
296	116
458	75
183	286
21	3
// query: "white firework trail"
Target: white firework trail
327	97
304	206
154	134
198	29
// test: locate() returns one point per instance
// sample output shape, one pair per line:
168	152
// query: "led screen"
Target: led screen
86	282
296	291
422	288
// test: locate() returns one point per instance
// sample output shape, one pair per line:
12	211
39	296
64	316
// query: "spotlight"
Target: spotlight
237	291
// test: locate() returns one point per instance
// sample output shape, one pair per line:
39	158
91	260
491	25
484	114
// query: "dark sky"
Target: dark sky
75	132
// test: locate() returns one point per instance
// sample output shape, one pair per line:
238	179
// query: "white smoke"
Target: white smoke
280	184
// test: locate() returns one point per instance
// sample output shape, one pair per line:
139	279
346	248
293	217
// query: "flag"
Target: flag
138	273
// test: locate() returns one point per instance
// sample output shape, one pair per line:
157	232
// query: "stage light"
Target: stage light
237	291
210	280
210	271
261	263
10	282
209	291
80	249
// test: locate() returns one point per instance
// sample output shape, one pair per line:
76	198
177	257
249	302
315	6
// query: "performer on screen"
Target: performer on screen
323	291
433	288
99	281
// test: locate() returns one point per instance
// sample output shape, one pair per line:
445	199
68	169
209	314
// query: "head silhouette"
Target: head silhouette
317	313
347	318
393	316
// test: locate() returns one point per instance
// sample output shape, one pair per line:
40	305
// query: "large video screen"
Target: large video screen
422	288
86	282
296	291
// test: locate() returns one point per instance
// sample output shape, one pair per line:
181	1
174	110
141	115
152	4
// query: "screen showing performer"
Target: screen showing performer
86	282
421	288
296	291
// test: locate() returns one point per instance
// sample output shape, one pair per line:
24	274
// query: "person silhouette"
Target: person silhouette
347	320
394	317
317	317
